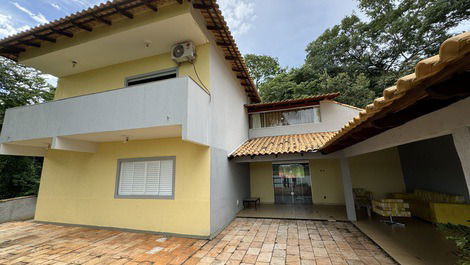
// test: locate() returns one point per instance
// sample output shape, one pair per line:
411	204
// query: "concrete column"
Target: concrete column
347	186
461	138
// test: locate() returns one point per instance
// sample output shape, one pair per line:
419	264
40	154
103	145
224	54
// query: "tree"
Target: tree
396	36
262	67
370	55
353	90
20	85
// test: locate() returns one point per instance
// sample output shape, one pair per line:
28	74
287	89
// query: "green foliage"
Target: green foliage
262	67
19	176
20	85
460	234
358	57
396	36
353	91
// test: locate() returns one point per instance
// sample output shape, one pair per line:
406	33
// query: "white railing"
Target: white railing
172	102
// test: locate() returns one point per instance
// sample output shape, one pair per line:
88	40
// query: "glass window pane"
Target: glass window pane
255	121
316	116
273	119
282	118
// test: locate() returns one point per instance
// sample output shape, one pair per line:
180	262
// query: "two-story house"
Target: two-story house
134	139
157	126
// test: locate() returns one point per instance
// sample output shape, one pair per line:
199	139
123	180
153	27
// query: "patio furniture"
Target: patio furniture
252	200
362	199
391	208
437	207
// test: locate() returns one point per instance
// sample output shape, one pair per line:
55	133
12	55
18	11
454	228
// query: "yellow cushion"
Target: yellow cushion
391	207
438	197
454	213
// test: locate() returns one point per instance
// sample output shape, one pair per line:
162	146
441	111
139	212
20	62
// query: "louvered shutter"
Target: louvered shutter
154	178
166	178
126	178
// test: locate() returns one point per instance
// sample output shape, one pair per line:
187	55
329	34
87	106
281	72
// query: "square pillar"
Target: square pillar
461	138
348	192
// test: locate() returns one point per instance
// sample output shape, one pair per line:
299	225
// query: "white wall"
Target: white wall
333	117
178	101
229	128
434	124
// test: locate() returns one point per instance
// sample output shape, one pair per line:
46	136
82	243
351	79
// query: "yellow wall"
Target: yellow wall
379	172
325	175
261	181
78	188
327	186
112	77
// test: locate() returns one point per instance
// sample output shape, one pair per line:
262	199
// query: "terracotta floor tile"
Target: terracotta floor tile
244	241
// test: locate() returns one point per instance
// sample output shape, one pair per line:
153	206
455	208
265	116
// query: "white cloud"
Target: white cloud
81	3
239	14
50	79
7	27
56	6
461	27
37	17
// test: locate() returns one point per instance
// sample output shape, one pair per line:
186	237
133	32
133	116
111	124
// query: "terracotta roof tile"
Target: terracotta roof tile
328	96
284	144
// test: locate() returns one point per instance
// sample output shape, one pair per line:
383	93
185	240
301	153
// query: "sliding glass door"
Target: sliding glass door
292	183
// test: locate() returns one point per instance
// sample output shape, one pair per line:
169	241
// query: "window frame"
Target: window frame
250	118
144	159
163	72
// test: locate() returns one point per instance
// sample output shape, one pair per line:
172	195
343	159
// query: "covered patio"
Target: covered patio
410	147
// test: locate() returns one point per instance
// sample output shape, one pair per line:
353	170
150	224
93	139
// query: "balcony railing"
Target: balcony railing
160	108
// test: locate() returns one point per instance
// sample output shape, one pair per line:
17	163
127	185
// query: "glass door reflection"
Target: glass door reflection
292	184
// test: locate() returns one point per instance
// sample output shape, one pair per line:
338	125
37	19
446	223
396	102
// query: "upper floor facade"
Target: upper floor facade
306	115
117	80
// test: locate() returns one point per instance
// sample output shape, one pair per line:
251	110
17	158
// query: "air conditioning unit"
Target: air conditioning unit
183	52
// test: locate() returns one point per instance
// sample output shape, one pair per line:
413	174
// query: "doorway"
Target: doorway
292	184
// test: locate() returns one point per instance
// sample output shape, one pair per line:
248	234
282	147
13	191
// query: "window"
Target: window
146	178
151	77
285	117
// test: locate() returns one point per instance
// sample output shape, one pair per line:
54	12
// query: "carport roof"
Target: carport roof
437	82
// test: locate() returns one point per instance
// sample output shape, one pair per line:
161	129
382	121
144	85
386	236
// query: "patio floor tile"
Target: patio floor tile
244	241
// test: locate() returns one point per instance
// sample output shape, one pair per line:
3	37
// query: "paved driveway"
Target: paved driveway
244	241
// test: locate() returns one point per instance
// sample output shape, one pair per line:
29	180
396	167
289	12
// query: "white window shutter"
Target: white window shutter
152	178
166	178
138	187
126	178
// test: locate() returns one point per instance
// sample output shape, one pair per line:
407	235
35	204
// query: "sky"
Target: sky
277	28
282	28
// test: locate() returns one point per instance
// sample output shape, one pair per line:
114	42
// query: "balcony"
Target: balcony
169	108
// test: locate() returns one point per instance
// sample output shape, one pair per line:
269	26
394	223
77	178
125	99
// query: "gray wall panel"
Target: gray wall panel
230	182
433	165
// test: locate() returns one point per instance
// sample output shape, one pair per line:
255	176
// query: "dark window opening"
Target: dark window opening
151	77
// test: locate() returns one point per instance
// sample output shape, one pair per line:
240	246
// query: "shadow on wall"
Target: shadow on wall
17	209
433	165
